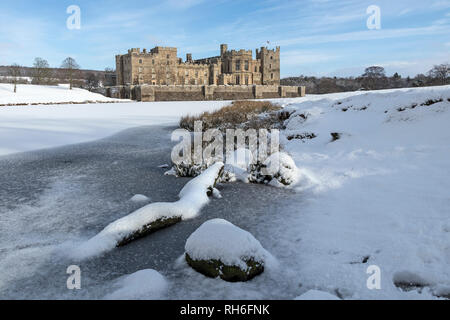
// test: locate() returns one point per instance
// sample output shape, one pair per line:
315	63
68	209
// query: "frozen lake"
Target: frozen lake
53	199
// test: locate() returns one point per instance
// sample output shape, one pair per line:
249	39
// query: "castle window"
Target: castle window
196	73
246	79
271	57
246	65
256	69
168	62
168	56
238	65
140	61
153	61
271	75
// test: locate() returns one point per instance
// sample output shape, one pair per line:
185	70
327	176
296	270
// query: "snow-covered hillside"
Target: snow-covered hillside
35	94
377	180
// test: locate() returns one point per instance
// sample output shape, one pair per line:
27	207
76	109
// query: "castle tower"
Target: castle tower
270	65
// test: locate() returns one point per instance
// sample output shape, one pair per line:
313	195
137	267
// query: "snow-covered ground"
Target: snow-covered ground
26	128
379	195
373	193
33	94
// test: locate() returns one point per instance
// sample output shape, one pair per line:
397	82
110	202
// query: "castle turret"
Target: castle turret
223	49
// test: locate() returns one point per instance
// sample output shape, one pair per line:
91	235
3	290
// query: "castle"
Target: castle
161	66
159	75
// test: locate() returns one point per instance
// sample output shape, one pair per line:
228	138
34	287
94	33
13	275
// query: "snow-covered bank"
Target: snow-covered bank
38	94
193	197
26	128
377	174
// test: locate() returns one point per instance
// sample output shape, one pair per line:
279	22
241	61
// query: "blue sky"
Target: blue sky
317	37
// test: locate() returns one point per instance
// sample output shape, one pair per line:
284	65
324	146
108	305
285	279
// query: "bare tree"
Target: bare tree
440	72
70	67
41	71
15	71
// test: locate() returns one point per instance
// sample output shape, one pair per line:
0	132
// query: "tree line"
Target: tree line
373	78
70	72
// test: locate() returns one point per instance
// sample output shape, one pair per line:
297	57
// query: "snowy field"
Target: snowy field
34	94
373	190
26	128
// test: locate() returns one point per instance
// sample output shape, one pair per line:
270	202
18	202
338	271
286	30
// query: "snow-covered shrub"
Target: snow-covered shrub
261	114
279	166
220	249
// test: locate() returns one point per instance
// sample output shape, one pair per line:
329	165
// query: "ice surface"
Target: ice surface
193	197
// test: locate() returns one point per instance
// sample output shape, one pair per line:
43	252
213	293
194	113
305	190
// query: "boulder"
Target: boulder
220	249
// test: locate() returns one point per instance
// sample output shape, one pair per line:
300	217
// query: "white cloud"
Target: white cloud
367	35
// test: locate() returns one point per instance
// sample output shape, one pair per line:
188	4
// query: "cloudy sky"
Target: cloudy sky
317	37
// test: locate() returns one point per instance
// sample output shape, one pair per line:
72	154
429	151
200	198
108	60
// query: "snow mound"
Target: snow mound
139	198
193	197
143	284
317	295
219	239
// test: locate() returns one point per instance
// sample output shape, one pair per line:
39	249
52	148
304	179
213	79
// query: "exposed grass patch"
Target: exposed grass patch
240	114
302	136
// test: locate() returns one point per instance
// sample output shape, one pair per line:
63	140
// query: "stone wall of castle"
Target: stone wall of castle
148	93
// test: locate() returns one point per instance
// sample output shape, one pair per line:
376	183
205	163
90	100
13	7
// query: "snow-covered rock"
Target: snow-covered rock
220	249
317	295
143	284
154	216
